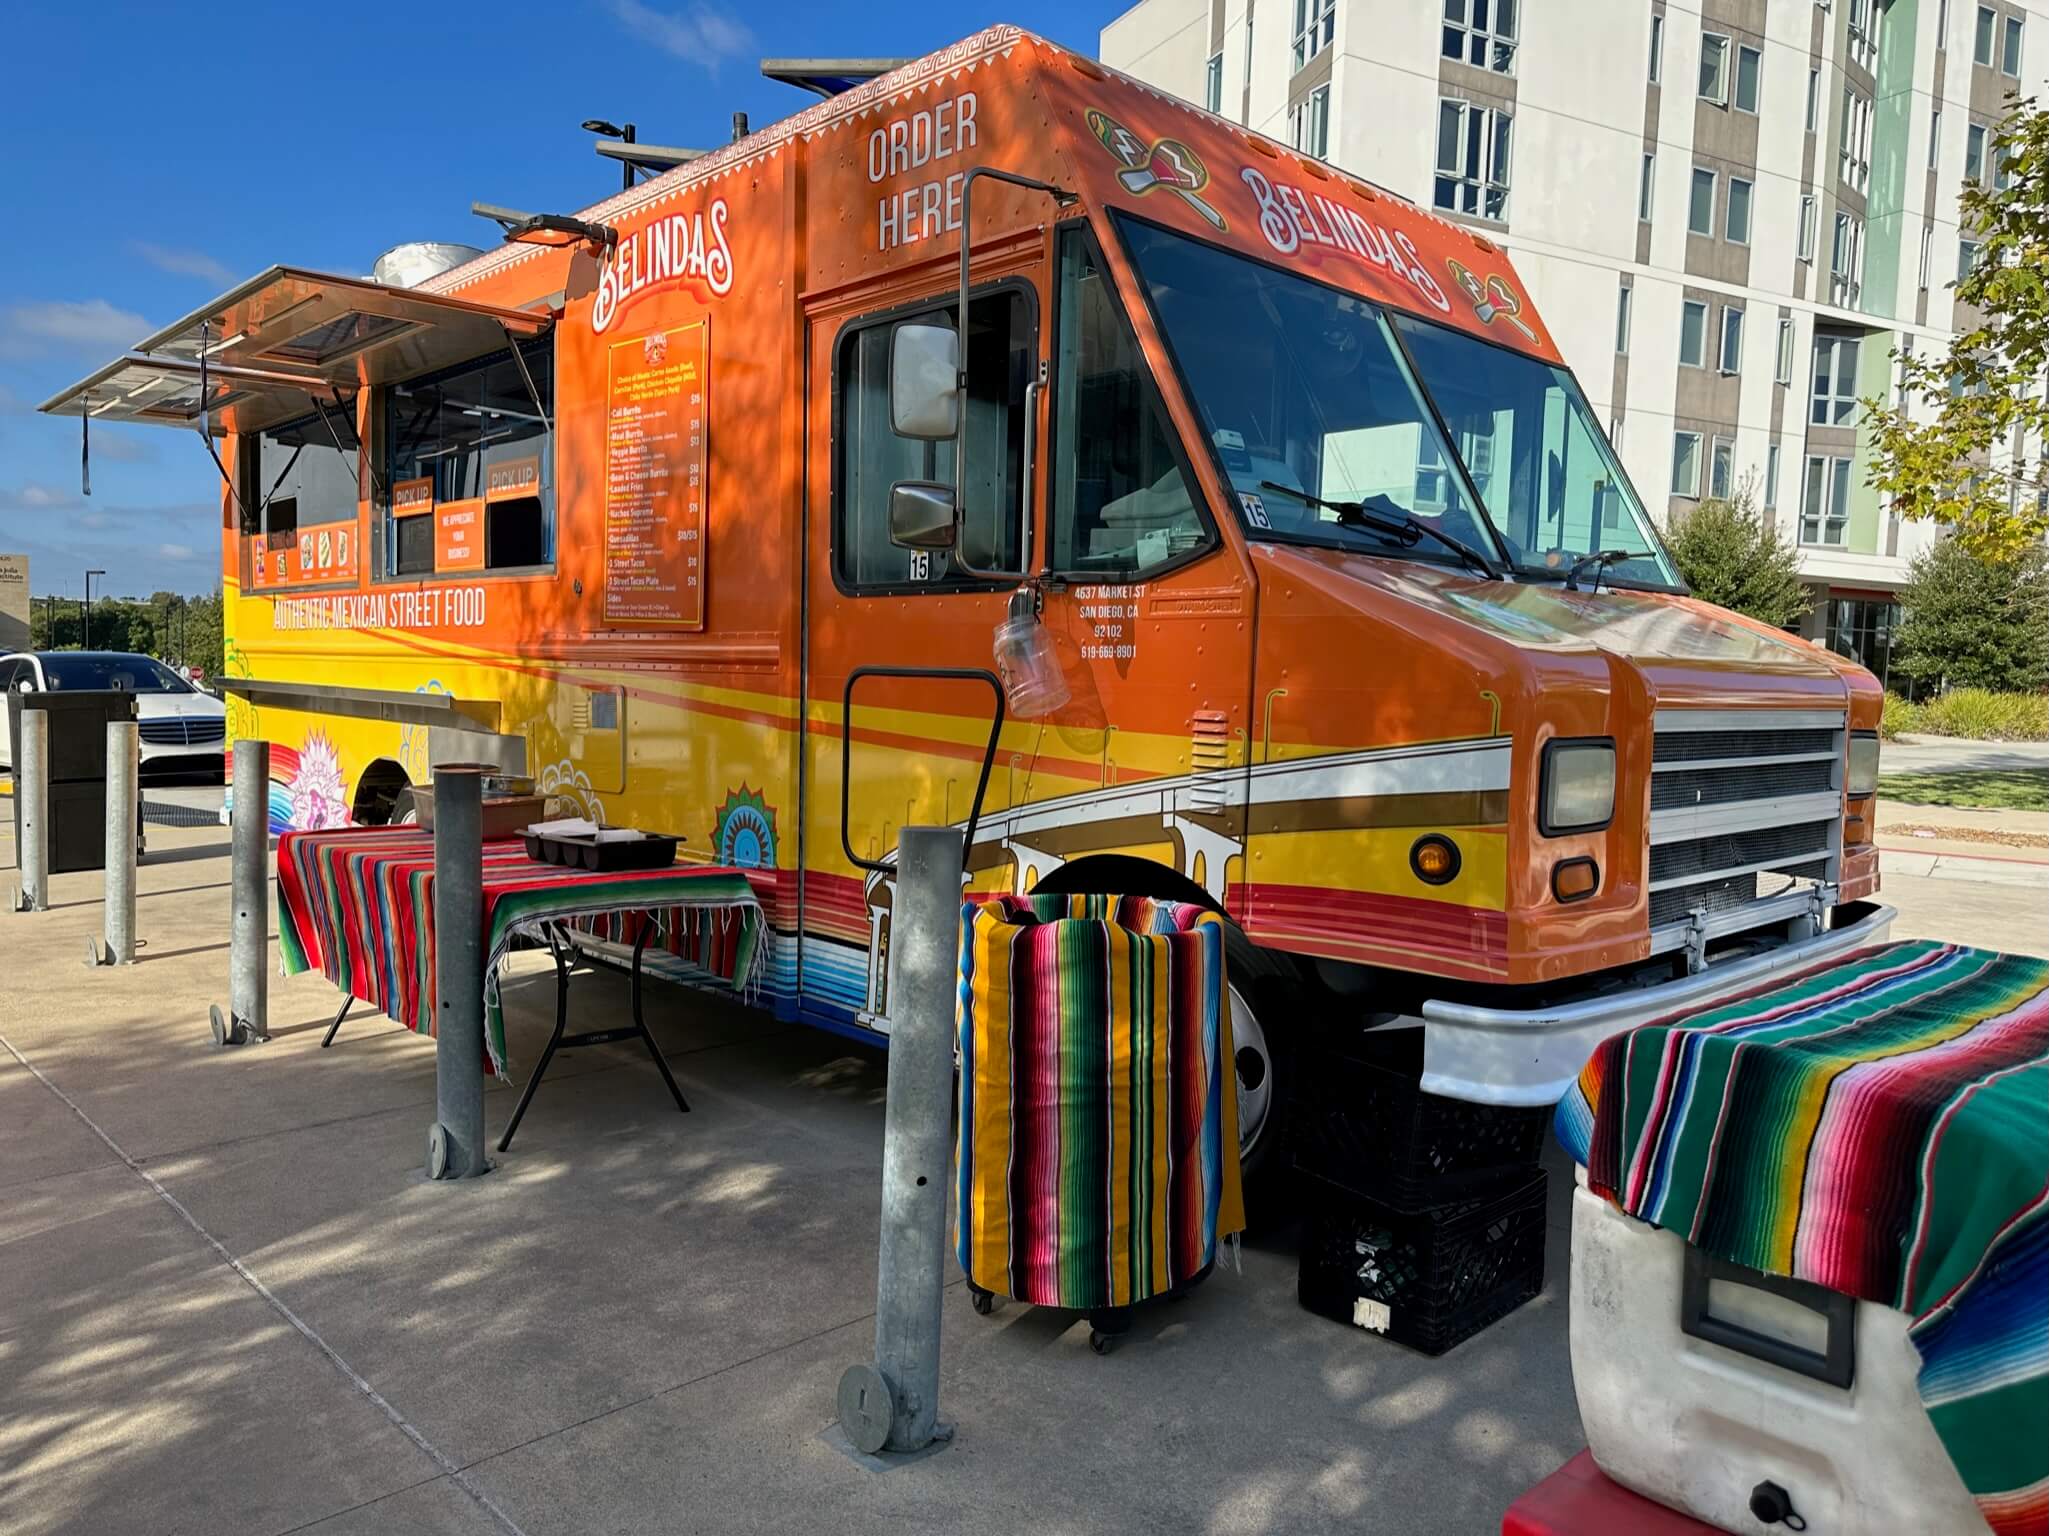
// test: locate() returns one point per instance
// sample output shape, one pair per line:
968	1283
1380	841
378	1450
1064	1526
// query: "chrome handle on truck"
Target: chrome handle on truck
1031	454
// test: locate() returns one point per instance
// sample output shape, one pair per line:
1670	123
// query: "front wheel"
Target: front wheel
1259	997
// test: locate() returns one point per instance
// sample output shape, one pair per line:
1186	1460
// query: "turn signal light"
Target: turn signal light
1434	858
1575	879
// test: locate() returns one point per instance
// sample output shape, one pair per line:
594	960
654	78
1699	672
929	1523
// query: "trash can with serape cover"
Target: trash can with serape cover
1097	1152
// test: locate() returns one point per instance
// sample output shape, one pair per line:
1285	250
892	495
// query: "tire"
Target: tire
1261	996
404	813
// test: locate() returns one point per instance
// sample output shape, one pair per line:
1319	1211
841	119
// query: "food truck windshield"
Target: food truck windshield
1309	394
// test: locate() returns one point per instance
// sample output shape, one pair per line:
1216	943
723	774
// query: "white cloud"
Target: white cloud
180	262
69	325
702	35
175	552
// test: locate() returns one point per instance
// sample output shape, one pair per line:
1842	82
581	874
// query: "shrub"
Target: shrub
1987	716
1732	557
1968	623
1902	717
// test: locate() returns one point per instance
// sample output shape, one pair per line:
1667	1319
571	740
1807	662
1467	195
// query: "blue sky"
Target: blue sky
153	158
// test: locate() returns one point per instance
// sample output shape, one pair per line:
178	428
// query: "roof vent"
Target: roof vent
411	264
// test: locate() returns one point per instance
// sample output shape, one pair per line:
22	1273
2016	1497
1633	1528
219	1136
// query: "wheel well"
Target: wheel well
377	790
1123	875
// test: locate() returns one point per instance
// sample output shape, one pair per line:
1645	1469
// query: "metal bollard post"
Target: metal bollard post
123	761
894	1403
455	1142
248	1016
32	783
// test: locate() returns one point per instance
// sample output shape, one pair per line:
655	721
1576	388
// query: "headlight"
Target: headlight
1578	788
1863	764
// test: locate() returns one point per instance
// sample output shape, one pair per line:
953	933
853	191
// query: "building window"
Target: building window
1480	33
1807	228
1854	154
1309	123
2010	53
1981	51
1967	258
1721	468
1846	263
1736	225
1934	138
1825	500
1685	463
1771	477
1433	478
1693	333
1927	242
1974	152
1749	69
1864	33
1213	83
1315	26
1835	380
1813	97
1782	369
1644	185
1472	159
1714	68
871	455
1732	339
1862	629
1700	207
1942	24
1622	320
1657	46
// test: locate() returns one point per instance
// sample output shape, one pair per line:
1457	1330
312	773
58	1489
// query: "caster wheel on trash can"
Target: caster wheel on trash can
984	1302
1102	1343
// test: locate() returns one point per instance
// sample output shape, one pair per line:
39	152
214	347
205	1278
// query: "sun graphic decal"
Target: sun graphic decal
743	831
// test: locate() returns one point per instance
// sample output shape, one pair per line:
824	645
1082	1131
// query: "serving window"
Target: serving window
298	497
471	464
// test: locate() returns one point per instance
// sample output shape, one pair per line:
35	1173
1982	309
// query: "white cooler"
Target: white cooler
1700	1382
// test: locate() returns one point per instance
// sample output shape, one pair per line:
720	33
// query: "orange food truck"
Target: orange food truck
1346	620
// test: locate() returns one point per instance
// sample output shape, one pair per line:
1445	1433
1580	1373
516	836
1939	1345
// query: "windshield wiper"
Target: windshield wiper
1401	527
1600	560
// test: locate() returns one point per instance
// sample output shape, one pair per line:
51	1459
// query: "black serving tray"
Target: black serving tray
654	851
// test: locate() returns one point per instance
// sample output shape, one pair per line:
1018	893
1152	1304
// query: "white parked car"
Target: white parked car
182	728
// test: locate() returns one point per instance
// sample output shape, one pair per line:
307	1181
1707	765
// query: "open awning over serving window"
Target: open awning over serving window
273	347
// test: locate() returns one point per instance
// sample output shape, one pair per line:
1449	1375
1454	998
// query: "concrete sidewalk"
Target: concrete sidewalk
230	1303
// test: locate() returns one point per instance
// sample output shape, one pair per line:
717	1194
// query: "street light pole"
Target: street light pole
85	638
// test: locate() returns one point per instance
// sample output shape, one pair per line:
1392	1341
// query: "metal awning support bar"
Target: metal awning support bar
429	709
533	391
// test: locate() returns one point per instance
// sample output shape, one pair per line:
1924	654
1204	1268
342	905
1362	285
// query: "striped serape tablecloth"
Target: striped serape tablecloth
1879	1125
1097	1162
359	905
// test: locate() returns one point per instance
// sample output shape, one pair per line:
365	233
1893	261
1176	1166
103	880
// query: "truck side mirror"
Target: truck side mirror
924	381
921	514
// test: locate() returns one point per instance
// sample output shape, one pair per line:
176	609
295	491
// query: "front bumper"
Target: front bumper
1498	1056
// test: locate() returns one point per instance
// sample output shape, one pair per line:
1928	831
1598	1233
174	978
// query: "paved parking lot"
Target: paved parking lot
230	1302
210	1262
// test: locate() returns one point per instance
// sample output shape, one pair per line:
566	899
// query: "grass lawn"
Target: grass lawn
2016	789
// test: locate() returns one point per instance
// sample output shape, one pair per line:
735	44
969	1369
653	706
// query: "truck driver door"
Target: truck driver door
917	745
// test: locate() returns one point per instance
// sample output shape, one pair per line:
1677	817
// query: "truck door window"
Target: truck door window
1123	500
1002	356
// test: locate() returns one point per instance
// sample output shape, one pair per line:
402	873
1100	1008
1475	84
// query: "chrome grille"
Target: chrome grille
1744	805
182	731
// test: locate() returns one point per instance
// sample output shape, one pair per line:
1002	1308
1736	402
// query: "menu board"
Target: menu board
657	395
325	552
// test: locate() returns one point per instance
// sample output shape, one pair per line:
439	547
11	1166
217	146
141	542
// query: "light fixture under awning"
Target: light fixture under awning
343	330
166	392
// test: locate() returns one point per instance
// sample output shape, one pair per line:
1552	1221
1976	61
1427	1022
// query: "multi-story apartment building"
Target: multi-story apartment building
1733	216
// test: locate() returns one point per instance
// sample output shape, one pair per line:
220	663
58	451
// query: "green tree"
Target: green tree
1733	557
1972	622
1974	458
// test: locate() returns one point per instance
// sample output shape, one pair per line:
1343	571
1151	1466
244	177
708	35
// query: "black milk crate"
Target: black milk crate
1361	1120
1430	1278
